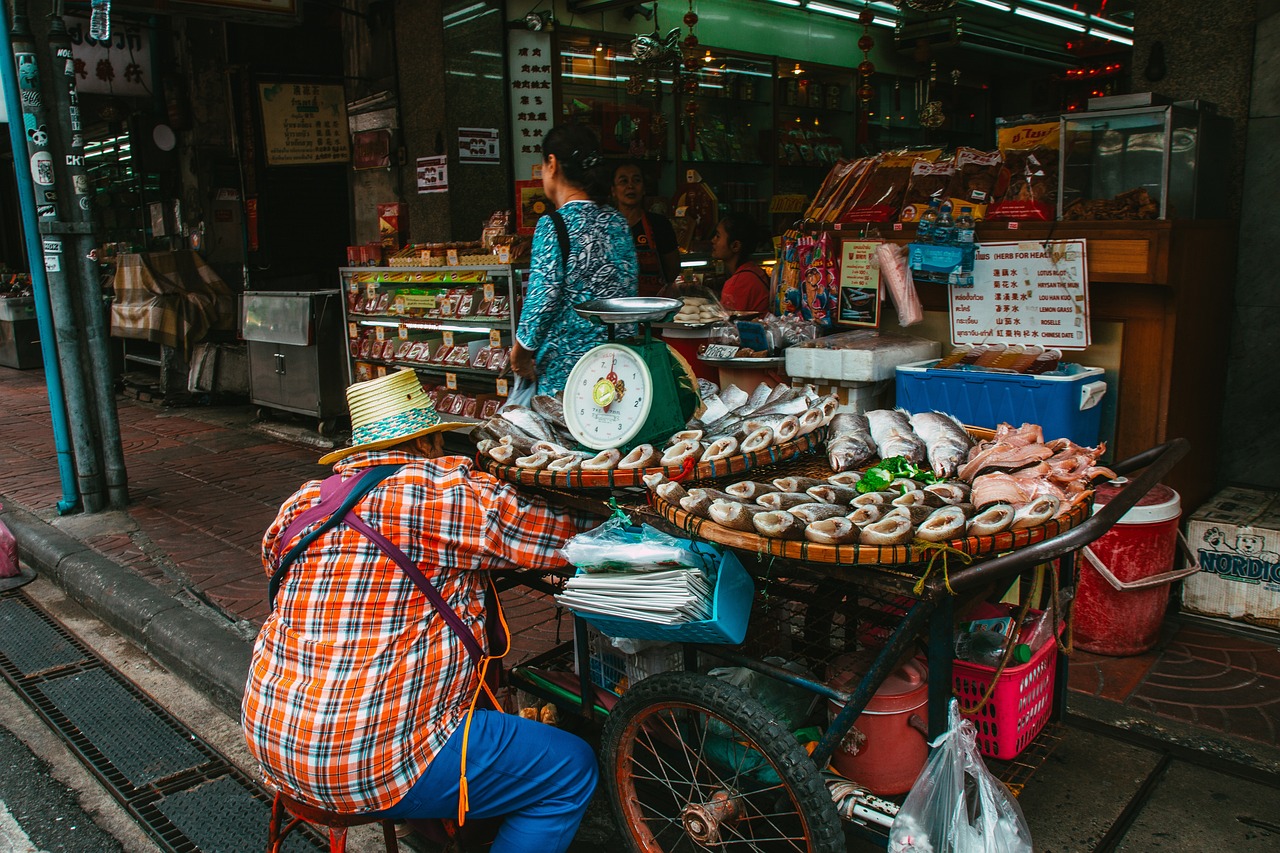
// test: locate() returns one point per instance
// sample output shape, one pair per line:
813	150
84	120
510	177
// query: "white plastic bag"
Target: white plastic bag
957	806
617	546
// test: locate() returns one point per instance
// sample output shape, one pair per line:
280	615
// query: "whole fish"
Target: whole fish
756	398
749	490
994	519
942	525
734	514
892	433
832	494
894	530
641	456
778	525
783	500
946	442
732	425
529	421
797	484
786	406
811	512
849	442
832	531
549	409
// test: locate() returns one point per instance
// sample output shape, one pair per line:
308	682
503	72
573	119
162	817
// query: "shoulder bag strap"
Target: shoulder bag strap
562	235
336	500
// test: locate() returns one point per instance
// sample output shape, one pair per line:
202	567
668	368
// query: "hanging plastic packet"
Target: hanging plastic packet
956	805
618	546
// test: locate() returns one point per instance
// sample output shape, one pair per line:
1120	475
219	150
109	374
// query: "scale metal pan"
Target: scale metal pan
628	309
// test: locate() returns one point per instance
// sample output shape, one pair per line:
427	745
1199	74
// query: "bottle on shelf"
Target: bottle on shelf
1029	354
989	355
964	227
924	230
955	356
1046	362
944	228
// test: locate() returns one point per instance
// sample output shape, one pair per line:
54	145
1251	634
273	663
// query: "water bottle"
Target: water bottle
924	230
944	228
965	226
100	20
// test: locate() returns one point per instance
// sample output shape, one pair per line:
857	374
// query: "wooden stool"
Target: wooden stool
299	813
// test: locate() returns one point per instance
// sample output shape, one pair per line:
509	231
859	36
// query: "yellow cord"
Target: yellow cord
938	549
463	800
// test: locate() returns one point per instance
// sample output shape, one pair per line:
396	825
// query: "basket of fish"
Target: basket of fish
733	433
972	491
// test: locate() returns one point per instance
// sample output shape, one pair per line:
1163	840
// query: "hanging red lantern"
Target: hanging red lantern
690	19
690	41
866	17
866	43
866	68
866	92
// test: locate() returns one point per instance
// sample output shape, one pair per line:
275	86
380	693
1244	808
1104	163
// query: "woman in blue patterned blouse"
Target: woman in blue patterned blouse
601	262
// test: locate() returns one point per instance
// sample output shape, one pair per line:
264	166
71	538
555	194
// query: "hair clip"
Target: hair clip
591	160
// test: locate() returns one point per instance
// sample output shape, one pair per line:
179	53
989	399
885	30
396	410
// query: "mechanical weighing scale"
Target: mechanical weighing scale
627	393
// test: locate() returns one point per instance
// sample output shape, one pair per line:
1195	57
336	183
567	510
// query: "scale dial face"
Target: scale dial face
608	396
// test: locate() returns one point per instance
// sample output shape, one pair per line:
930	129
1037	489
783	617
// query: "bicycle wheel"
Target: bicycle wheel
692	763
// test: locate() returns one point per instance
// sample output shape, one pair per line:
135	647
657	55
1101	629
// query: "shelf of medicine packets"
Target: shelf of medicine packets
458	305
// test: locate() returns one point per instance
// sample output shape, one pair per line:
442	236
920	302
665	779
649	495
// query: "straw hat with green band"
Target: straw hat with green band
387	411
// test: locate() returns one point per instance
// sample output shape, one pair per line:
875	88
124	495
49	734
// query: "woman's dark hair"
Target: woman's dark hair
741	227
577	149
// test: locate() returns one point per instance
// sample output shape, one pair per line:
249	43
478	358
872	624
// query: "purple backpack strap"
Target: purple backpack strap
333	491
401	559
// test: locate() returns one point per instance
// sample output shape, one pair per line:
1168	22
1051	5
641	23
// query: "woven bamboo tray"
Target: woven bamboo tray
704	471
812	552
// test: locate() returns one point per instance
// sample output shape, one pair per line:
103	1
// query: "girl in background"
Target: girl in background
747	288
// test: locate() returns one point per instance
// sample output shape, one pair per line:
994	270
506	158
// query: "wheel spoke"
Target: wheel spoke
663	764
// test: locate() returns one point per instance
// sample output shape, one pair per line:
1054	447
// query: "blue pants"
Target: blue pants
537	777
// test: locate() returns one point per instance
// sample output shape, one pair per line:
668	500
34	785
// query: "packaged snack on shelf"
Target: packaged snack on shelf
466	304
448	304
363	371
499	360
433	394
446	402
927	182
1029	174
417	352
499	307
355	302
389	349
880	198
469	408
481	360
977	180
441	354
402	351
383	303
366	347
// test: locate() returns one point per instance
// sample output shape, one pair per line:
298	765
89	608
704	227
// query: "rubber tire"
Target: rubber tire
793	765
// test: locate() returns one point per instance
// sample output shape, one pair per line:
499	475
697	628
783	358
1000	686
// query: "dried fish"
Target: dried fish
1035	513
502	453
778	525
605	460
811	512
864	515
872	499
783	500
721	448
564	464
676	454
641	456
734	514
797	484
942	525
550	409
528	421
810	420
919	497
952	493
758	440
535	461
994	519
832	494
749	490
845	478
733	397
785	427
894	530
670	492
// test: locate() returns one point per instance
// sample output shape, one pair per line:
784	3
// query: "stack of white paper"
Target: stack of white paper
664	597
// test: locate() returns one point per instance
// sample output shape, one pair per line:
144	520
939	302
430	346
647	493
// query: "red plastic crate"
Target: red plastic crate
1019	707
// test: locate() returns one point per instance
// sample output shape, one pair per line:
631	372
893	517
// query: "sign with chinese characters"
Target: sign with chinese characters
118	65
478	145
304	123
1025	293
532	109
859	284
433	174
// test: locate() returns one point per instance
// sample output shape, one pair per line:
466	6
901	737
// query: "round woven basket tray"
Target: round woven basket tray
812	552
704	471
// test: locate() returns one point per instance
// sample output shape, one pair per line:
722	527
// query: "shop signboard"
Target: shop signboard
1025	293
859	284
304	123
532	109
117	65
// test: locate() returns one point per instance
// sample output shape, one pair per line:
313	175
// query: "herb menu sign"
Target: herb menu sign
304	123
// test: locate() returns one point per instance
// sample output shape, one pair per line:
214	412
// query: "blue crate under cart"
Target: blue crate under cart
1065	406
731	609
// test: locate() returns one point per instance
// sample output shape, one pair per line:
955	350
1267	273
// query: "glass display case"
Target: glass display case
816	123
1147	162
454	325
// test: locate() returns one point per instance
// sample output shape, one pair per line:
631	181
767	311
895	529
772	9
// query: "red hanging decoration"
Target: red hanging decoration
866	92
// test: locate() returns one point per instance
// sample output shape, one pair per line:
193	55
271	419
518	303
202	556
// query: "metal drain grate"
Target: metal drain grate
187	796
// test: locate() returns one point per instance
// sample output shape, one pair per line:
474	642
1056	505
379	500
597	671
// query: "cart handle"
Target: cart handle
1158	462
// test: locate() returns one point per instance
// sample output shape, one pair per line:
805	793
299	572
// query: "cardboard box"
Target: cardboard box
1236	537
393	225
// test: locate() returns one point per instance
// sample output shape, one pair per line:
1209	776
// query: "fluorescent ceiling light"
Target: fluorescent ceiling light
787	2
474	7
851	14
1110	23
493	53
1049	19
1003	7
1102	34
608	77
461	21
687	264
1054	7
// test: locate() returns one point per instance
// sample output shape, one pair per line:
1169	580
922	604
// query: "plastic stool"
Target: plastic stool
337	824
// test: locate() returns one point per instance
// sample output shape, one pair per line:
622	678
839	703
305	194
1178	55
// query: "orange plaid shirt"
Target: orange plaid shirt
356	682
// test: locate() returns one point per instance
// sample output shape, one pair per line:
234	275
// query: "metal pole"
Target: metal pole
66	327
39	286
72	173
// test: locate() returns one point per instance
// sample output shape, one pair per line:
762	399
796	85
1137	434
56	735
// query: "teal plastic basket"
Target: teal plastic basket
731	608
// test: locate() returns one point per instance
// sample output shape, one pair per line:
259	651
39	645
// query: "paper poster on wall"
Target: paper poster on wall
478	145
859	284
304	123
1025	293
531	204
433	174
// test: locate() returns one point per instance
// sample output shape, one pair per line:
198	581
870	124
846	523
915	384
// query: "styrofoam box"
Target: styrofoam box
871	359
1236	537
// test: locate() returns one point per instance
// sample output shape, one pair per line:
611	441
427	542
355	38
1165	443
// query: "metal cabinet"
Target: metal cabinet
297	359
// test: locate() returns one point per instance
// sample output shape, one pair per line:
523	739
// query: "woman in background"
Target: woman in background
747	288
581	251
655	239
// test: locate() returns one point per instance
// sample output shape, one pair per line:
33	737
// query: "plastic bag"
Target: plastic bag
789	703
523	392
957	806
617	546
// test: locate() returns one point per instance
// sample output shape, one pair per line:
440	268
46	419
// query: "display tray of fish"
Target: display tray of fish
733	431
1004	490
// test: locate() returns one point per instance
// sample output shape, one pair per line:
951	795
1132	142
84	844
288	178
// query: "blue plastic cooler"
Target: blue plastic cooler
1064	406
